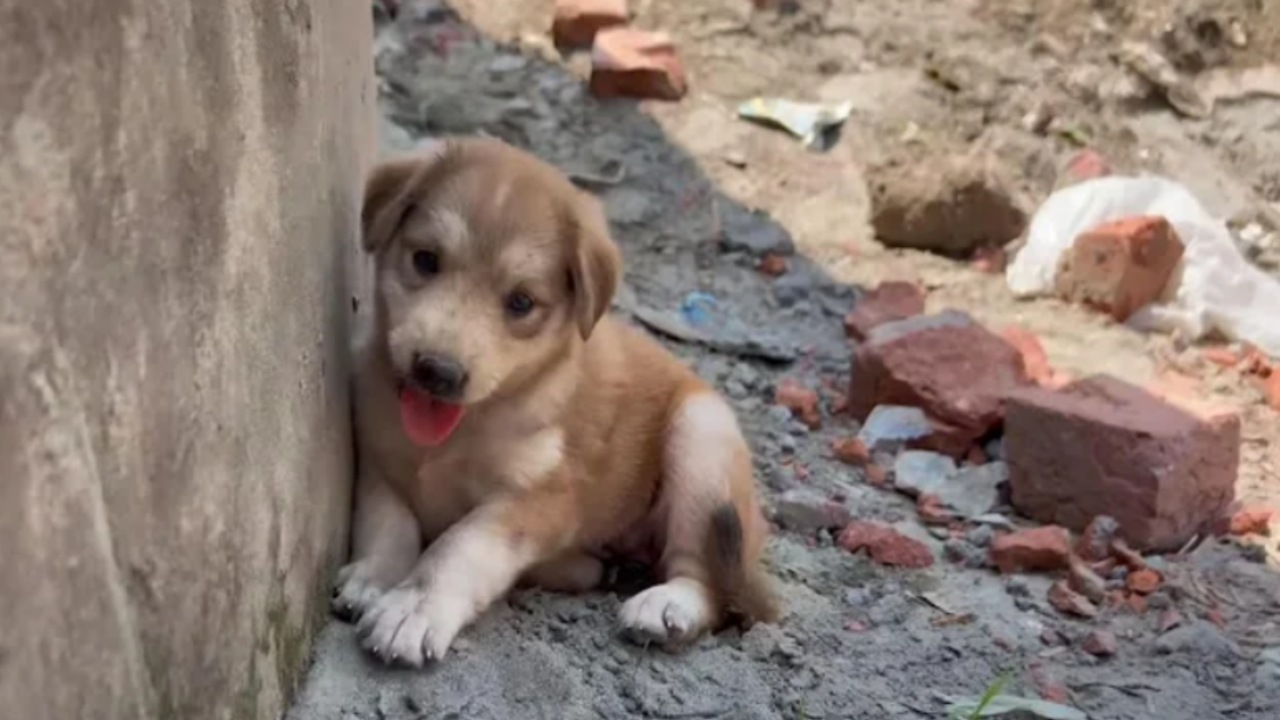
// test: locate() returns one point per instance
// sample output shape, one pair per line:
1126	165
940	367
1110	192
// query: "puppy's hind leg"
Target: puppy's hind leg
707	561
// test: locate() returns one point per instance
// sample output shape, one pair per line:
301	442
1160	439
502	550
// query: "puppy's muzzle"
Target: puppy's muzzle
441	377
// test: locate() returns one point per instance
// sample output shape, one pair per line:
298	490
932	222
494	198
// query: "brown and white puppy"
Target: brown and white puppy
513	429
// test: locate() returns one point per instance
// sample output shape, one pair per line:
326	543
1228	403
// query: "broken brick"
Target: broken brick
852	451
1130	558
1085	581
1069	602
577	21
1143	582
1095	540
885	545
637	64
933	511
1137	603
889	301
1085	165
1034	358
1121	266
1251	521
1048	685
1271	389
772	264
800	400
1103	446
877	475
947	365
1100	643
1042	548
1169	619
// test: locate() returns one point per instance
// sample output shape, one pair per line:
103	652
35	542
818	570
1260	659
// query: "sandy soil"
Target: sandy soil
927	78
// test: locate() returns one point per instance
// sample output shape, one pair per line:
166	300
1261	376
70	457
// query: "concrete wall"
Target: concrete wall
179	181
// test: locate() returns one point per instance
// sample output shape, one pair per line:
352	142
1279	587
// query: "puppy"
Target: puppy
513	429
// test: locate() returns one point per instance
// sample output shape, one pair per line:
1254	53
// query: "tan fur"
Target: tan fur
581	436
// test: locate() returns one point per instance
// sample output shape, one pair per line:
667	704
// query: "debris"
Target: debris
1084	165
1095	540
730	337
1085	581
990	260
1169	619
1143	582
1069	602
813	123
1153	67
577	21
1160	471
932	511
975	489
698	308
805	511
890	301
1100	643
885	545
1251	521
877	475
1216	289
1120	267
1271	389
1130	558
772	264
1042	548
800	400
1221	356
921	472
1034	358
1197	638
636	63
1000	705
753	232
851	451
951	206
1215	616
947	365
889	425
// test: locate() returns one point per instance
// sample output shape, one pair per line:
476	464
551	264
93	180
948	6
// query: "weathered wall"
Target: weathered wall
179	181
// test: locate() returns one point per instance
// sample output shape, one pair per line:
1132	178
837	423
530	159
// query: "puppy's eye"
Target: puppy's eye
426	263
519	304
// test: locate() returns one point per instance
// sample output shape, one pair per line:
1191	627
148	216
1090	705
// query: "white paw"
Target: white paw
410	625
671	613
359	585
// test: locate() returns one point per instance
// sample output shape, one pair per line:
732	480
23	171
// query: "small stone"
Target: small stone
1136	603
577	21
920	472
851	451
932	512
1085	165
635	63
885	545
1100	643
1017	587
804	511
888	302
1130	558
1199	639
980	535
962	553
753	232
877	476
800	400
1169	619
1034	359
1043	548
1085	581
1144	582
1251	521
1120	267
772	264
890	425
1069	602
974	490
1095	541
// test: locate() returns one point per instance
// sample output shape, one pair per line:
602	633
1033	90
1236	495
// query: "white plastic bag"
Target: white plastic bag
1214	288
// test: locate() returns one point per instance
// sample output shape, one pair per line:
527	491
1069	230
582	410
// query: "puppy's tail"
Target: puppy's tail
744	591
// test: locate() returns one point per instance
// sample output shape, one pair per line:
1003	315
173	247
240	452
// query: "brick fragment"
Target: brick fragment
1143	582
800	400
1042	548
1251	521
851	451
636	64
1121	266
576	22
1069	602
890	301
885	545
1100	643
1102	446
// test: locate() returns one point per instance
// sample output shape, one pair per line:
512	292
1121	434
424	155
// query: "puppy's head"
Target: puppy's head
491	267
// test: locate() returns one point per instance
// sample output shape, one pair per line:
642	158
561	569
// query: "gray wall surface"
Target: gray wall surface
179	185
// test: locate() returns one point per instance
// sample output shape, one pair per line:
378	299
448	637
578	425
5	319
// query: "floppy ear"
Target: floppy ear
595	265
389	193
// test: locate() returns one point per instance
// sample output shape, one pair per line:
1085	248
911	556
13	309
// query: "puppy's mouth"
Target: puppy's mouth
428	421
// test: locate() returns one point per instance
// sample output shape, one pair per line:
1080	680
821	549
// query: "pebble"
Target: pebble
980	535
1017	587
1100	643
1198	638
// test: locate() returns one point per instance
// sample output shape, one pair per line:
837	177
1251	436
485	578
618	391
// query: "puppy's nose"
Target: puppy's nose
441	377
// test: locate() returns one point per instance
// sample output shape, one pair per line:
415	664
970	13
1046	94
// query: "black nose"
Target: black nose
439	376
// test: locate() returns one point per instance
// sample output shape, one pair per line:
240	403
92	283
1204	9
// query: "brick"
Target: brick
636	64
1034	358
954	370
1085	581
885	545
889	301
1143	582
1121	266
1251	521
1100	643
1069	602
577	21
1042	548
1102	446
800	400
851	451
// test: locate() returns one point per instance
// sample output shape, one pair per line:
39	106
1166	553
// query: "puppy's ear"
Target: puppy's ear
595	264
389	193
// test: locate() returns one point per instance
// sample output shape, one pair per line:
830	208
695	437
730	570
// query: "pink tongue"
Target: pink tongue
427	422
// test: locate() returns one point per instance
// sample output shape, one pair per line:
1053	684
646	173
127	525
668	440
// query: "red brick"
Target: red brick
1100	643
1101	446
637	64
889	301
852	451
885	545
877	476
1137	603
1042	548
1251	521
577	21
954	370
1143	582
1085	581
1034	358
800	400
1069	602
932	511
1121	266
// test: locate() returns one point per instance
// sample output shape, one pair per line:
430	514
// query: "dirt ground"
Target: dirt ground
927	78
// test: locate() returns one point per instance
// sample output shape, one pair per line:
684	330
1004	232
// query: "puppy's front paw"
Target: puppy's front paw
669	614
359	585
411	625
